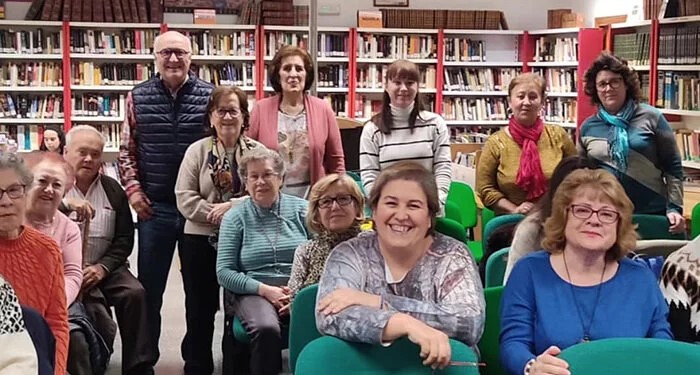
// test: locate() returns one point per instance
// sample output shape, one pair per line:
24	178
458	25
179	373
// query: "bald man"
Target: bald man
164	116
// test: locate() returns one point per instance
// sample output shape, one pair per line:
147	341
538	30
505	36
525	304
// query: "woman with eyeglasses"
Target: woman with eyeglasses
30	260
301	127
336	210
633	140
256	249
582	287
207	187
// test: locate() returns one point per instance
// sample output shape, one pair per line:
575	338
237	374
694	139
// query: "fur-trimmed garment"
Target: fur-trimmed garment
680	284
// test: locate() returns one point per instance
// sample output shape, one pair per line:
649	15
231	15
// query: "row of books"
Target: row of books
444	19
278	39
472	134
227	74
333	76
338	102
373	76
397	46
34	74
464	49
633	47
132	11
29	137
560	110
679	90
89	73
679	45
225	43
332	45
555	49
558	80
484	79
478	109
24	106
110	43
98	105
36	41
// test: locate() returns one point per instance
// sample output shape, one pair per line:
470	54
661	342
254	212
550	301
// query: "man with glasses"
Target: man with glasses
164	116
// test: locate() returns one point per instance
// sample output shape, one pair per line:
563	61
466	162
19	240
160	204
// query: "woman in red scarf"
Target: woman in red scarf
516	162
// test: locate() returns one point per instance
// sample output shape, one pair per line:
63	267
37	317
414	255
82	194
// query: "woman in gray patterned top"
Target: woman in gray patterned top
403	279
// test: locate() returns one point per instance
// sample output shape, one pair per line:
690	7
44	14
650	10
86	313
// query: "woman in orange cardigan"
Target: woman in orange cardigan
30	260
301	127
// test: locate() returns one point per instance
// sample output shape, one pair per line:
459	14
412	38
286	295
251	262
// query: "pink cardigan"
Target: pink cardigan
324	135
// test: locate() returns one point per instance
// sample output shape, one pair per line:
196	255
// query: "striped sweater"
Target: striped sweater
654	176
428	144
246	257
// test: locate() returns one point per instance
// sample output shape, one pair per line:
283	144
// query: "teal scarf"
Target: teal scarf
618	142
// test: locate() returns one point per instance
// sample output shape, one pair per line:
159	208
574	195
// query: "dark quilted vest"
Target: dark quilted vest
165	127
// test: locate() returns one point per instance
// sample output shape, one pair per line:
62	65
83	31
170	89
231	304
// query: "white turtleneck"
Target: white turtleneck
428	144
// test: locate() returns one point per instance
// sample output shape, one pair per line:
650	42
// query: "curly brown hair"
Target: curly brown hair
608	61
276	65
217	95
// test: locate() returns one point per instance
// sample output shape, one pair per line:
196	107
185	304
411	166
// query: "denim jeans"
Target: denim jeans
157	238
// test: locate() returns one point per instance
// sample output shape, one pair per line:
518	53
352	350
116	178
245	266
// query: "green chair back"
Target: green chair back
633	356
452	211
486	216
654	227
489	344
496	268
451	228
498	222
463	196
302	322
695	222
401	357
239	333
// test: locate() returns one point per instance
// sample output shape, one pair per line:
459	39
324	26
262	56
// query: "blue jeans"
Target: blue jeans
157	237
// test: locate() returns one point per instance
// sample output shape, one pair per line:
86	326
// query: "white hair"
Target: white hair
85	128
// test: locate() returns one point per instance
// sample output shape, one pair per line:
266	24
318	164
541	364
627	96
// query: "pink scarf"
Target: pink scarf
530	176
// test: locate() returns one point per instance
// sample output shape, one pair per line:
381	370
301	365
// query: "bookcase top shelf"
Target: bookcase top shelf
484	64
396	31
369	60
115	25
113	57
679	19
195	27
30	56
482	32
97	119
101	88
31	88
8	23
222	58
685	68
566	30
552	64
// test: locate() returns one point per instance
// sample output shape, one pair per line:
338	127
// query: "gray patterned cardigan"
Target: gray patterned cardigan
443	290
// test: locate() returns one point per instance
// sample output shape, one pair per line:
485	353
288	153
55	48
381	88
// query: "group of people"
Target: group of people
258	202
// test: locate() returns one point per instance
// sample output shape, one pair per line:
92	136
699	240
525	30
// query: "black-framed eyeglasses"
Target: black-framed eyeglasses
167	52
605	215
13	191
342	200
233	113
614	84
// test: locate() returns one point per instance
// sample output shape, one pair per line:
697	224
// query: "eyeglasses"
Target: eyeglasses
342	200
179	53
267	177
614	84
13	191
233	113
584	212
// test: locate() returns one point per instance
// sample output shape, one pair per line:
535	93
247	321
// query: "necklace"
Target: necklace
586	329
278	228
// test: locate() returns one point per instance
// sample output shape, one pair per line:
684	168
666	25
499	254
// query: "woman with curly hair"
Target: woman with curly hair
633	141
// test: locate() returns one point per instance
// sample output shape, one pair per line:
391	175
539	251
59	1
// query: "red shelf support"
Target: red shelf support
439	71
352	70
67	110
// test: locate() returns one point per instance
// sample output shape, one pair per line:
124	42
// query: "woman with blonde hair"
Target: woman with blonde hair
582	287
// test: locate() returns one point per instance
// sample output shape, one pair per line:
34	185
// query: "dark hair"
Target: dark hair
563	169
61	138
276	65
222	92
608	61
401	69
409	171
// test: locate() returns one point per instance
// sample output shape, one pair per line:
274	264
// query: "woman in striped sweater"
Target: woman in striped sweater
403	130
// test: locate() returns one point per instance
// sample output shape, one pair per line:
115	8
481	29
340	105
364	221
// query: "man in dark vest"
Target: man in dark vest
164	116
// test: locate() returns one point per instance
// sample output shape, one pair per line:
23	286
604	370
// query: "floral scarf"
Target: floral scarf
321	247
224	172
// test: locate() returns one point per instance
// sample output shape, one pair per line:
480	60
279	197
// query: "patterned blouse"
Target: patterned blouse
443	290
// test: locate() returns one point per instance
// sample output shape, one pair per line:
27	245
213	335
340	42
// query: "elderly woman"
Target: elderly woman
633	141
335	214
207	187
583	287
517	161
300	126
255	253
404	130
30	260
403	279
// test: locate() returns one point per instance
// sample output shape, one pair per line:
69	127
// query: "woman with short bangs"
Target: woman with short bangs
405	130
582	287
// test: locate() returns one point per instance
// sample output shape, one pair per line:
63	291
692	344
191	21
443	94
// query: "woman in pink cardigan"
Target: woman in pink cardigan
301	127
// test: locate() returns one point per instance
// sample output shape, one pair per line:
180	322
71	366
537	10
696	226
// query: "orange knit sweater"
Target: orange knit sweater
33	266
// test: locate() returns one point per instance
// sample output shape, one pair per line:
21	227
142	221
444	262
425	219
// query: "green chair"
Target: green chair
452	211
462	197
633	356
489	344
486	216
497	222
356	176
496	268
302	322
239	333
451	228
654	227
695	222
331	355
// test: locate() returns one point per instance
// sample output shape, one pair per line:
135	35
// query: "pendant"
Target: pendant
585	339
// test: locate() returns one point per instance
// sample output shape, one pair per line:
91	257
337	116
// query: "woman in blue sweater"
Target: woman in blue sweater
255	252
583	287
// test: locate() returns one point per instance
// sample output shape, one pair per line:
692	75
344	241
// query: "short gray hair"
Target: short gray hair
13	161
261	154
85	128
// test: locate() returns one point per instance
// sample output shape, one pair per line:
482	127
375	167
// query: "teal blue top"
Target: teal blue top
256	245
